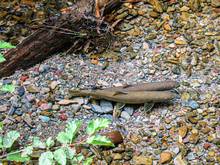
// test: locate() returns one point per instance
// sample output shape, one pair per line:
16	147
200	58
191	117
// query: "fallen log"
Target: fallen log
71	32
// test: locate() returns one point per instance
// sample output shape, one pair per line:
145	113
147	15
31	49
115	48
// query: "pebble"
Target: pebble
139	160
183	131
206	146
108	116
106	106
45	119
12	111
179	160
21	91
115	137
32	89
44	68
180	41
27	119
53	84
125	115
175	149
63	117
165	157
80	100
193	104
184	9
96	108
194	138
156	41
18	112
129	110
30	97
67	102
135	139
46	106
117	156
190	156
3	108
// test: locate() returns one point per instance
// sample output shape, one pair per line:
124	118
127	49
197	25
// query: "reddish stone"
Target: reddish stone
63	117
23	78
206	146
115	137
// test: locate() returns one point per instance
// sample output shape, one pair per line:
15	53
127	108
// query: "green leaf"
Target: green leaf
60	156
77	160
1	125
2	58
46	158
80	157
96	125
38	144
27	151
50	142
72	128
100	141
8	88
70	152
17	157
1	142
70	132
88	161
10	138
63	138
6	45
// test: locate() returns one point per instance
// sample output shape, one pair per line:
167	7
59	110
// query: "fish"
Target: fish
129	97
152	86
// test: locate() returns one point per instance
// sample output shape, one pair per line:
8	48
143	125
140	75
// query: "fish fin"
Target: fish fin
119	92
126	86
148	107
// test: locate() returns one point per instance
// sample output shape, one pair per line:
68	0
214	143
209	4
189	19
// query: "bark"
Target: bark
70	32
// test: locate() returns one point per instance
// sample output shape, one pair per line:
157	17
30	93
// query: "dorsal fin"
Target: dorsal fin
119	93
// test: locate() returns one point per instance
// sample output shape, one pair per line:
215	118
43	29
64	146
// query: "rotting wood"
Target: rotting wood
71	32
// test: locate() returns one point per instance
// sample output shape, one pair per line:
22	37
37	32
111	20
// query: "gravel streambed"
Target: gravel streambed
179	44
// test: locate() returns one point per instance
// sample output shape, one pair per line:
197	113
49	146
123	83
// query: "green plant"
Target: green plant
63	154
7	87
4	45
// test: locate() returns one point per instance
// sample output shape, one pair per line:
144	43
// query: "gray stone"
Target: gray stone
191	156
129	110
44	68
75	107
106	106
96	108
125	115
44	119
3	108
108	116
175	149
12	111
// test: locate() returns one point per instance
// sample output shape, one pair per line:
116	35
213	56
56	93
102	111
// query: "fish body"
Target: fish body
152	86
131	97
